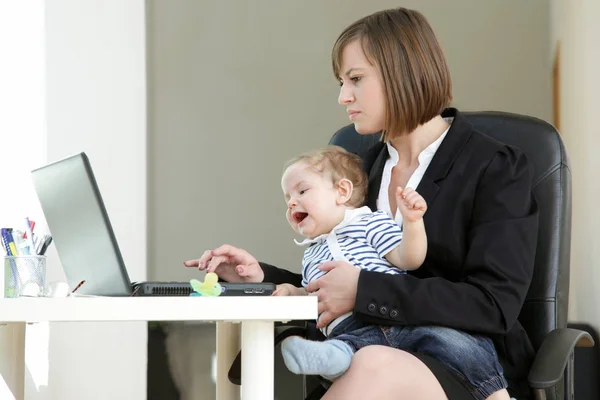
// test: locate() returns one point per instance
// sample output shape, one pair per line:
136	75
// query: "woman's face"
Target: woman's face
361	91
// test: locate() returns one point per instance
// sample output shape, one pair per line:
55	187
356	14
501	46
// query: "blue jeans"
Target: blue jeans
472	357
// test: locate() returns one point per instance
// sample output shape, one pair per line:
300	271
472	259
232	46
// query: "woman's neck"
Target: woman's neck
410	145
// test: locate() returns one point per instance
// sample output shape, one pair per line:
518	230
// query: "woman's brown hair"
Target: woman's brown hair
416	77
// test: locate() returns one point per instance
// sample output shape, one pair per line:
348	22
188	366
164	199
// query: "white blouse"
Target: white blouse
425	157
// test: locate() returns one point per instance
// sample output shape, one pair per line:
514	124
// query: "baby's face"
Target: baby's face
312	200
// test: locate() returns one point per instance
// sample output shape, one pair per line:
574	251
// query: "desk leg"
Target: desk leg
258	360
12	361
228	345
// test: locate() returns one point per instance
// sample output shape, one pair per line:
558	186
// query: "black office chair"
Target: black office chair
544	314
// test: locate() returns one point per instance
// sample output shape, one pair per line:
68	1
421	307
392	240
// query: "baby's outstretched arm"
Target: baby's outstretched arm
285	289
411	251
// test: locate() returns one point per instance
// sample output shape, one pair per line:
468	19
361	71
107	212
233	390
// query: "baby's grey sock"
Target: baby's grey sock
329	359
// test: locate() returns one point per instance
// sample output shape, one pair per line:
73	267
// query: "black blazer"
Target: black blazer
481	225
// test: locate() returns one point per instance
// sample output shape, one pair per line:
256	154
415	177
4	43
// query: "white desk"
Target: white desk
256	315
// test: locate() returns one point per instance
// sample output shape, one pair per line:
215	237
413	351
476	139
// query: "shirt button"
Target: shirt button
383	310
394	313
372	307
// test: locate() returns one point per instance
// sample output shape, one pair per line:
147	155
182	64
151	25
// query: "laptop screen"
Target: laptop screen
80	227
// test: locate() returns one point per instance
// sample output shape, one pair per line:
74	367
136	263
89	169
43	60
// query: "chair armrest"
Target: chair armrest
551	359
284	331
281	332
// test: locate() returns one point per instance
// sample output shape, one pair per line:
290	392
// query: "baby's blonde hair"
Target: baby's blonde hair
339	164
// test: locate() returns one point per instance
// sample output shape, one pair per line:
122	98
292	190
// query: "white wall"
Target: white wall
575	25
22	145
236	88
96	102
81	63
22	108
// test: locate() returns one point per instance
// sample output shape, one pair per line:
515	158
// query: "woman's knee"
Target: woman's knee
394	371
376	357
380	357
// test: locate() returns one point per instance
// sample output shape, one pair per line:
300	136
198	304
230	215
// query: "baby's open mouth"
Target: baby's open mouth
299	216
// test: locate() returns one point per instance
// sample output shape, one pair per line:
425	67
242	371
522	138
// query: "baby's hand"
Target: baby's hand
285	289
411	204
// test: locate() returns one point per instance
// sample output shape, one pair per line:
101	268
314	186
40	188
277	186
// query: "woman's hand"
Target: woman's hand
286	289
336	290
230	263
411	204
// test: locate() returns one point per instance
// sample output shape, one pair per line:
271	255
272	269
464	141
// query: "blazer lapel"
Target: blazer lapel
456	138
458	135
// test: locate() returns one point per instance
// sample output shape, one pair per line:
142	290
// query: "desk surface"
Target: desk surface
158	309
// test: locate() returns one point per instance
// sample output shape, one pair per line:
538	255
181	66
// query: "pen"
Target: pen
19	243
45	245
29	234
78	286
40	243
7	241
11	243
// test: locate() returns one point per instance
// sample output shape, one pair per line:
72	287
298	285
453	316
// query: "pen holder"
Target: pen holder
24	276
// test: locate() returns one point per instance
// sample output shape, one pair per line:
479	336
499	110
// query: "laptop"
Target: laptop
85	241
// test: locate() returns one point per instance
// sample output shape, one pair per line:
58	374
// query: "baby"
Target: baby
325	191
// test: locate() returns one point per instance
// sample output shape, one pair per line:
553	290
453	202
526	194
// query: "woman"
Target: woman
481	220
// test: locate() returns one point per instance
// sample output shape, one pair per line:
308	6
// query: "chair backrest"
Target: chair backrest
546	306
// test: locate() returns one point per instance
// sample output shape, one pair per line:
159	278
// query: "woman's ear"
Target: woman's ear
344	189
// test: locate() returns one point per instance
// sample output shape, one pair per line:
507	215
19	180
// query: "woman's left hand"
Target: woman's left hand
336	290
